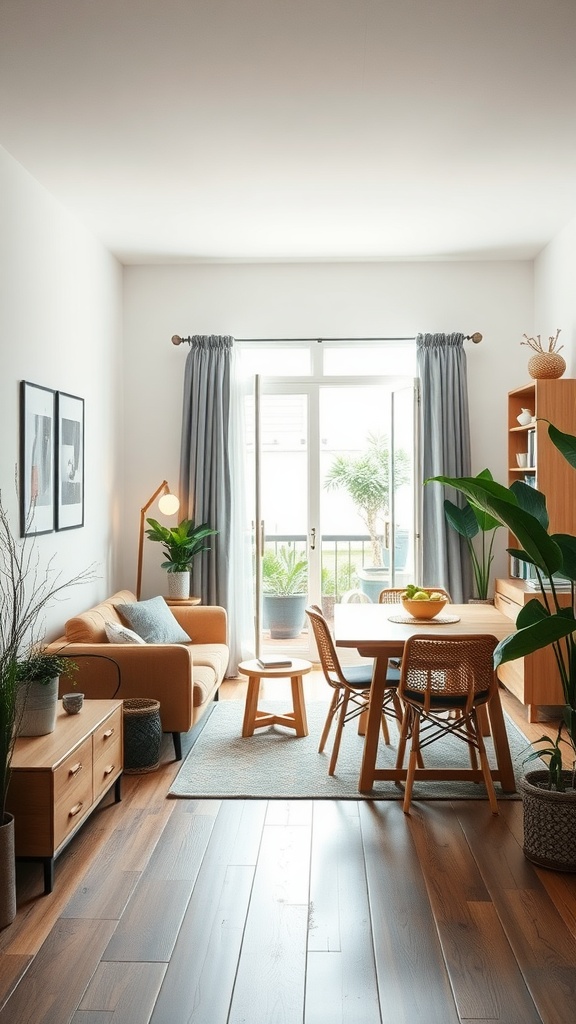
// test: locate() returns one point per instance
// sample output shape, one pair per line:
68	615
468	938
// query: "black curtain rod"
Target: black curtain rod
177	340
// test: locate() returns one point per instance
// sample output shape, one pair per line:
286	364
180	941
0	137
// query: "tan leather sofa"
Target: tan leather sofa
184	677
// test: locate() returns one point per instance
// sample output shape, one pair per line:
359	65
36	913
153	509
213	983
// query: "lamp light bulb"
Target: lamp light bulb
168	504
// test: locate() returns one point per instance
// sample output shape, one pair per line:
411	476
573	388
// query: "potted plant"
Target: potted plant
285	587
25	592
181	544
549	796
470	520
37	694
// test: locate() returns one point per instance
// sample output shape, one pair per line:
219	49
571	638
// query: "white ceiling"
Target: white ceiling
298	129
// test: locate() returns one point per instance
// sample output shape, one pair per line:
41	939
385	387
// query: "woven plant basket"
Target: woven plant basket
142	735
549	822
546	366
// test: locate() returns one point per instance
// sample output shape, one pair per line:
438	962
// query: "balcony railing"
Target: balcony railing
342	557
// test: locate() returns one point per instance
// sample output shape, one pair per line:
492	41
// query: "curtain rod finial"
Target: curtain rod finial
476	337
176	339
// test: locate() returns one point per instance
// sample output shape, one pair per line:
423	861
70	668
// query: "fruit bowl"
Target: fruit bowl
423	609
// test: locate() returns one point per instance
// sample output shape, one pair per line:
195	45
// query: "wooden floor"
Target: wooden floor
291	912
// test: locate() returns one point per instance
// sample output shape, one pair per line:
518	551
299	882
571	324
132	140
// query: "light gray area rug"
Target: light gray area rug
274	763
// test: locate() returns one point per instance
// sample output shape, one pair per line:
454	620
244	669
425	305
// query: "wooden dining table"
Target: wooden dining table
371	630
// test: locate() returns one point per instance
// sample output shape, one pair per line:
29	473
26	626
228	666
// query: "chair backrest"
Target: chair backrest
391	595
444	669
326	650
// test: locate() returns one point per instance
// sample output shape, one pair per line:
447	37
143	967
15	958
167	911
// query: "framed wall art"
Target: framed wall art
37	454
69	461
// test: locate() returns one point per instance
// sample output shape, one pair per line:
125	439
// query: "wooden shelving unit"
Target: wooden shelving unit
534	680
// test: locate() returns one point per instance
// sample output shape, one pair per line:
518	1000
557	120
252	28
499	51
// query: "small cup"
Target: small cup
72	702
522	460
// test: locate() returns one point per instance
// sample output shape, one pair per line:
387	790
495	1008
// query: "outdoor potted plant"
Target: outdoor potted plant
181	544
549	796
285	587
25	592
469	520
37	691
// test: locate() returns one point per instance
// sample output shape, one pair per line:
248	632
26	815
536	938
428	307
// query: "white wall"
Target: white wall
309	300
60	324
555	294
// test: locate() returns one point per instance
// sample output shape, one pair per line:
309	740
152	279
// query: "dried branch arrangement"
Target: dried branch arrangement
536	343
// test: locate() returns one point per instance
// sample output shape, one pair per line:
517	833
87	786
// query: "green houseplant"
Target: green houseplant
469	520
285	587
37	676
541	623
181	544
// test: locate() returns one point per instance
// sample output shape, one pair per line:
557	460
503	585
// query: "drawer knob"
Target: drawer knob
108	734
75	810
109	769
76	768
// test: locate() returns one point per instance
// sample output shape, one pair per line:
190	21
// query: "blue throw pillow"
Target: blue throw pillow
153	621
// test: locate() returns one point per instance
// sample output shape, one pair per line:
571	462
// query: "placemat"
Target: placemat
440	620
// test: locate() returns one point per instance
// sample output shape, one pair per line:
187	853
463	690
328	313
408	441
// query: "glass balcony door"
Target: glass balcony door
334	482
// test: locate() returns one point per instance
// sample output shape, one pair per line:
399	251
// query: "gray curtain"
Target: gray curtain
205	475
445	432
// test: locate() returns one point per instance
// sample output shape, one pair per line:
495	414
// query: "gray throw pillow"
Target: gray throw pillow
153	621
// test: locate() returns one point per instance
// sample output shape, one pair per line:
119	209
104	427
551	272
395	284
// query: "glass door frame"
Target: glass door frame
311	387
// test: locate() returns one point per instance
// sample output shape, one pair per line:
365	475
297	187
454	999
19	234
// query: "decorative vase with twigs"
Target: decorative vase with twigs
546	363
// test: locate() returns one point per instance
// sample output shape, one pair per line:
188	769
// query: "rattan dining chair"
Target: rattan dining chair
444	680
351	685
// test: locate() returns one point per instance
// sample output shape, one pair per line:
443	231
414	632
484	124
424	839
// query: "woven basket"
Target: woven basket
142	735
549	822
546	366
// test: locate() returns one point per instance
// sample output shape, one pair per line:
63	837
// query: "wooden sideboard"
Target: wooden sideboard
58	779
534	680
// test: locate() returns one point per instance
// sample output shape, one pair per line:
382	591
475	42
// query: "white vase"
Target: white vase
178	585
524	418
36	705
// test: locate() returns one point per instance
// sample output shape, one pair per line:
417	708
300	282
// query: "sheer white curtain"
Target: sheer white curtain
212	484
445	432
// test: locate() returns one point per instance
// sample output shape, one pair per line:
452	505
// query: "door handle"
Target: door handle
313	539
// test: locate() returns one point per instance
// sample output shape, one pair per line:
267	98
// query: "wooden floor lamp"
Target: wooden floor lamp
168	505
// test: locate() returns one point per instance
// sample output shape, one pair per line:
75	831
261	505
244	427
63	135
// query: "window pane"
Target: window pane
275	361
384	360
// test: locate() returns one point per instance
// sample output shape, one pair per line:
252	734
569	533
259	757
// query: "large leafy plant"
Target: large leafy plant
469	520
540	623
181	543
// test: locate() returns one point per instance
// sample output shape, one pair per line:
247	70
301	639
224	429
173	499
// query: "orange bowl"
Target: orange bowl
423	609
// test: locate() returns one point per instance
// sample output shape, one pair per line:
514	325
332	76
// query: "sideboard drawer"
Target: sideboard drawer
76	767
72	807
108	734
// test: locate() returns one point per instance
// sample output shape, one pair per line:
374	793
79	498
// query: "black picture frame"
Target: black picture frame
37	458
69	461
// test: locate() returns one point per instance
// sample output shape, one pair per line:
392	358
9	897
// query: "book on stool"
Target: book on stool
274	661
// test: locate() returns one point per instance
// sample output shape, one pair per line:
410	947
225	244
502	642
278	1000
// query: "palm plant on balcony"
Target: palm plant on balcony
285	586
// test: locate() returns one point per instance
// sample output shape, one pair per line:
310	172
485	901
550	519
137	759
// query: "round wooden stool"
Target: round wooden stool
255	719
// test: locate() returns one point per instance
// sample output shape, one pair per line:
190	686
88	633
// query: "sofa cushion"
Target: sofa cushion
119	634
153	621
90	626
